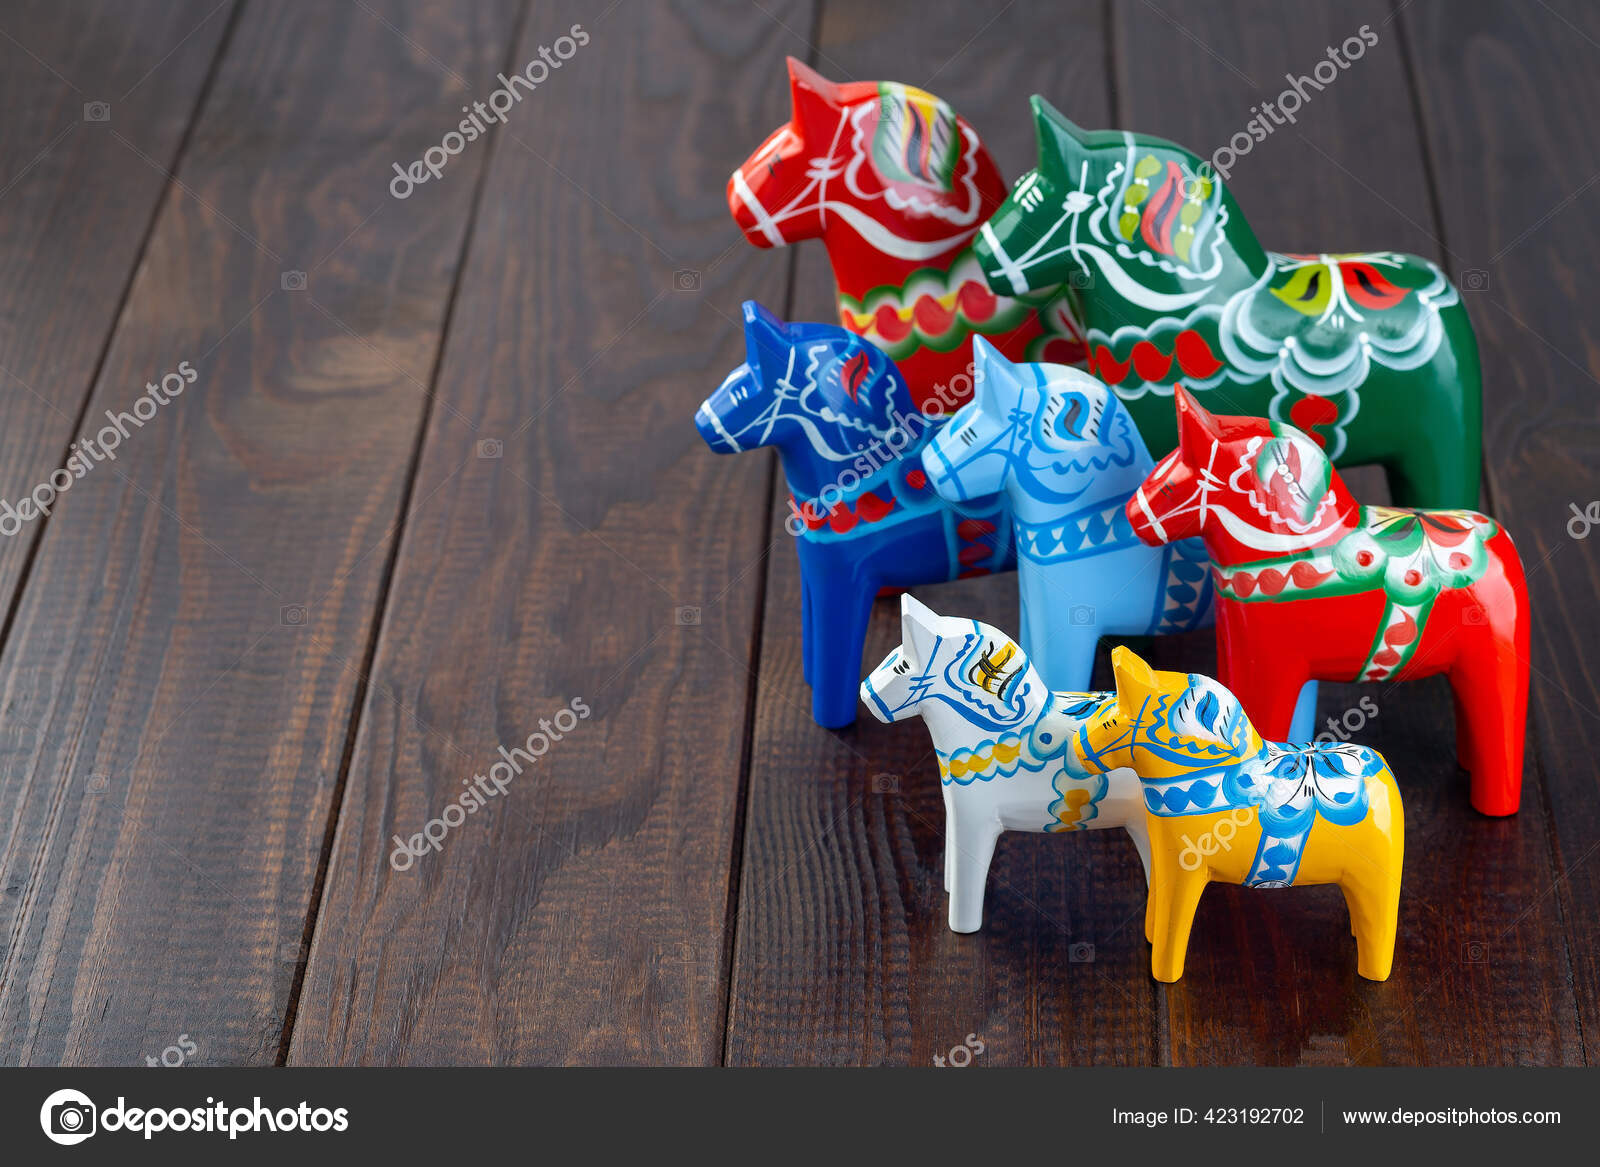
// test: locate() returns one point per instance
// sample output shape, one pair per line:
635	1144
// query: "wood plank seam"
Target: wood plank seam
396	536
37	535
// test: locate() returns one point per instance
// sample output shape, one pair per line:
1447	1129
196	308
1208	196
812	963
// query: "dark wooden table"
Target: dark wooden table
436	478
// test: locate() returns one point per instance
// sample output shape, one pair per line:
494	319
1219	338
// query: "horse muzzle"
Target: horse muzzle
712	430
745	207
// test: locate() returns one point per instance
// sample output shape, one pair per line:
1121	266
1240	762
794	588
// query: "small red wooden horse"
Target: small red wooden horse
1312	586
896	186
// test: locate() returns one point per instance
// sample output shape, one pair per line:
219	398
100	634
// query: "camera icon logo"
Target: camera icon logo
685	280
1474	614
1081	952
1474	279
97	111
292	615
490	448
68	1117
1474	952
686	617
1081	615
886	783
1081	278
293	281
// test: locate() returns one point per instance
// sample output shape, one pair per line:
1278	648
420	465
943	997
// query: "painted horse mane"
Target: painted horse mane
1063	429
867	143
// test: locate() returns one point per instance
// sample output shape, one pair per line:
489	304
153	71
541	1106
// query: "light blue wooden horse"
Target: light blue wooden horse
1064	451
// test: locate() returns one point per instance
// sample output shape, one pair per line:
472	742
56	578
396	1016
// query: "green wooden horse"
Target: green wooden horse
1372	354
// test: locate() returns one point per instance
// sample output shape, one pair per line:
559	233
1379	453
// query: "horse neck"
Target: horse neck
1115	482
1243	262
1341	514
950	728
808	473
805	472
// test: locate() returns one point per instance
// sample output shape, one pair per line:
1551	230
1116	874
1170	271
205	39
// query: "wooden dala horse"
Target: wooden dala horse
1372	354
1312	585
863	513
985	706
896	185
1225	806
1064	452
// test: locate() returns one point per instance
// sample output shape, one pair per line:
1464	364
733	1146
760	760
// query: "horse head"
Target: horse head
889	162
1049	433
1245	485
958	675
1165	725
819	393
1137	215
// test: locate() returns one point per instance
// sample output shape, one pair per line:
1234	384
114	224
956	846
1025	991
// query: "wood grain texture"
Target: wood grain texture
843	955
1348	176
179	681
405	515
1508	99
582	915
76	201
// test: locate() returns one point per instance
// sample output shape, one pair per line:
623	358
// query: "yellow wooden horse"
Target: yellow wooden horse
1224	805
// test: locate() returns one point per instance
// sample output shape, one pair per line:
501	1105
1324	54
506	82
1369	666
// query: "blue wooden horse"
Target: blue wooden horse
865	518
1063	450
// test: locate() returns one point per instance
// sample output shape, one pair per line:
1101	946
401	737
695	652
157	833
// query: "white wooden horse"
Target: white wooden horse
1002	740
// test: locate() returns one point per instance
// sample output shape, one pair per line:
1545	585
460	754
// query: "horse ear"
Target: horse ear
1056	138
1135	680
918	629
1197	429
810	92
991	371
764	335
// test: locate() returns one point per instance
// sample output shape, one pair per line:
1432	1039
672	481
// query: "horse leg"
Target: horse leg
949	838
807	629
969	843
1158	895
1491	691
1352	902
1269	696
1069	652
1039	623
840	610
1374	898
1172	931
1438	469
1302	726
1140	834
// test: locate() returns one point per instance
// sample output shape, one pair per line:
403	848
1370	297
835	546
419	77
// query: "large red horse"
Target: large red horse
896	186
1312	586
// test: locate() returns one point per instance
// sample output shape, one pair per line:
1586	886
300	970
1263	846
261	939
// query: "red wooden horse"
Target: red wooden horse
896	186
1312	586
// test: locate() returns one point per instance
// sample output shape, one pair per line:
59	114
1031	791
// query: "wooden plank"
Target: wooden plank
1349	175
77	198
180	679
843	954
581	916
1505	97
